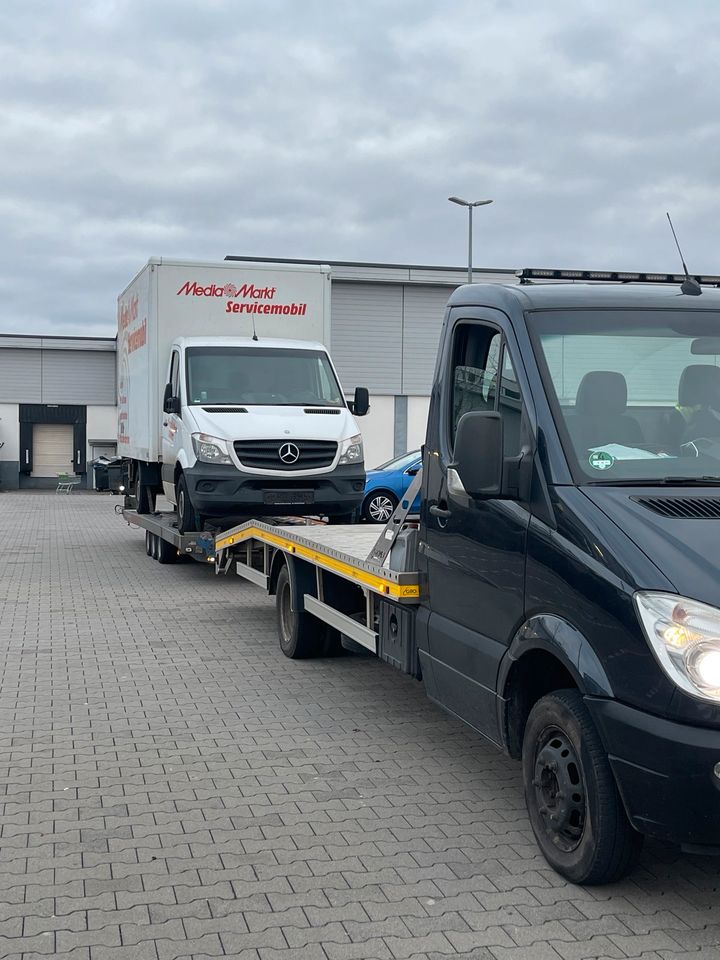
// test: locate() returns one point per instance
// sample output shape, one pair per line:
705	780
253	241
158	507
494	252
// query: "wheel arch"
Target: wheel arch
546	654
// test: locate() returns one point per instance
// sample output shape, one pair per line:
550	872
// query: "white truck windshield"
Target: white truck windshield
261	375
636	394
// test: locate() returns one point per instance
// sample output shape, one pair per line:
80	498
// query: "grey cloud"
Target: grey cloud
337	131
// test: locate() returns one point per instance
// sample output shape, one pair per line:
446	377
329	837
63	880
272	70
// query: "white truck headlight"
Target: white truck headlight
351	450
684	635
210	449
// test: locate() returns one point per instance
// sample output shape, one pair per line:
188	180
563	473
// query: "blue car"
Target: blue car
386	484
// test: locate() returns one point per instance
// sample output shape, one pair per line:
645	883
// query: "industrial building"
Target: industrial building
58	394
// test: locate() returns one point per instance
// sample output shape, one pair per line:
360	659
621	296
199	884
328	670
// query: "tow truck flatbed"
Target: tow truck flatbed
341	550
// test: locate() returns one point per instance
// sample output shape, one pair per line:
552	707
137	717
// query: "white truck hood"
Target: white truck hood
275	422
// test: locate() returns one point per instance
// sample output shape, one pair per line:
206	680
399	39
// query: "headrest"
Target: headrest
700	386
601	393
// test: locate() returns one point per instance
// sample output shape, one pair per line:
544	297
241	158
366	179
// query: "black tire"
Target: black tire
379	506
573	803
145	498
188	519
166	552
148	543
155	540
301	635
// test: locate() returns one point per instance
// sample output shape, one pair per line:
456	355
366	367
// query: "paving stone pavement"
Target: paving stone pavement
172	787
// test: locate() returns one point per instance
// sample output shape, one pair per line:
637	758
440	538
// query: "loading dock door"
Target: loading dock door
52	449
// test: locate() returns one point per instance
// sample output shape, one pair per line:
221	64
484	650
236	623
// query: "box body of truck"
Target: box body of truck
182	298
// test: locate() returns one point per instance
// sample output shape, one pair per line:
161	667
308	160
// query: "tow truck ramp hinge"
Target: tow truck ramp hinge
392	528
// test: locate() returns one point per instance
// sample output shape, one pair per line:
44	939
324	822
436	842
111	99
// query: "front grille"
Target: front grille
265	454
683	508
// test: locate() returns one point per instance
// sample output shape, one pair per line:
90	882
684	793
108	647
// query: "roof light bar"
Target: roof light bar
613	276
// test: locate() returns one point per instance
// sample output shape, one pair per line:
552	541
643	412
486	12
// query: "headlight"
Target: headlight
685	637
351	451
210	449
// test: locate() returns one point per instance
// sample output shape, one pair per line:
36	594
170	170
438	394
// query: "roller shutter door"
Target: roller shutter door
52	449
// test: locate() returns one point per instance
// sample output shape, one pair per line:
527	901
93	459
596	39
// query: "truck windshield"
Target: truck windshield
636	393
261	375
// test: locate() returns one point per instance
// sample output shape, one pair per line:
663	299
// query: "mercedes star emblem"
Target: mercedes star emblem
289	453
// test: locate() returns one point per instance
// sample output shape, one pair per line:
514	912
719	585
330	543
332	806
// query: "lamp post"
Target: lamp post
469	204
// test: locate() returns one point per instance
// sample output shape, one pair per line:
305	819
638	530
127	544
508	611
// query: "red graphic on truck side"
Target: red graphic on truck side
247	298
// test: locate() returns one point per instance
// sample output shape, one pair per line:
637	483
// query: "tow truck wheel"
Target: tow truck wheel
574	806
300	634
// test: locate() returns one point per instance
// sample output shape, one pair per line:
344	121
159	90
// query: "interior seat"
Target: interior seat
600	415
698	391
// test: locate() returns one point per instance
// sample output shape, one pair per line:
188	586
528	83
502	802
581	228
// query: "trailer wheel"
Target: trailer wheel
300	634
574	806
148	543
166	552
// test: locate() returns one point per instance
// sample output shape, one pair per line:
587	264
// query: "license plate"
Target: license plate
283	498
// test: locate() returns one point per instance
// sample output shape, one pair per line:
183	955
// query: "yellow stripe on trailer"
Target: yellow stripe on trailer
379	584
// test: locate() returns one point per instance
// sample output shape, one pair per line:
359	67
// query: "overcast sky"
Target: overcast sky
331	129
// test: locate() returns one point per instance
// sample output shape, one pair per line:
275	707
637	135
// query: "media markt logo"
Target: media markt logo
600	460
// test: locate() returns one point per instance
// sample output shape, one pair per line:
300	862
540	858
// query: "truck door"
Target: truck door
172	433
473	551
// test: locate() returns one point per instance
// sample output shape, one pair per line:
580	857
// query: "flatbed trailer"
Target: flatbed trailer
335	585
165	543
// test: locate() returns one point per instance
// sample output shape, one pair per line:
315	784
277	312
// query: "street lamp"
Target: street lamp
469	204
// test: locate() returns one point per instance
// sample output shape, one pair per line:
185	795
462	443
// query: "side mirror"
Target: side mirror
478	454
172	405
361	404
412	471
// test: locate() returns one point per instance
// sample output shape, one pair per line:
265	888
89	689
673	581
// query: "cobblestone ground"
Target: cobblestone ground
171	786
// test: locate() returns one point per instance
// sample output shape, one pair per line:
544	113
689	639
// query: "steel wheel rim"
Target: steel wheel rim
560	795
381	508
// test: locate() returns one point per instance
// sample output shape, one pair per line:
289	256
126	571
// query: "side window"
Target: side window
475	371
174	370
483	378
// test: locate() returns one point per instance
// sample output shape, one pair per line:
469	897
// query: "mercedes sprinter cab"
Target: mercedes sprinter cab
570	549
258	427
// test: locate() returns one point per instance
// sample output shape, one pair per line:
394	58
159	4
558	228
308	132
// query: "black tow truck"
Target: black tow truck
560	591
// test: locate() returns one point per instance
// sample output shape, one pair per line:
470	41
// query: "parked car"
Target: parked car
386	484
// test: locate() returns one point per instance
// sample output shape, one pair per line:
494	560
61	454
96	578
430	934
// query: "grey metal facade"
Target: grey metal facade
386	320
44	370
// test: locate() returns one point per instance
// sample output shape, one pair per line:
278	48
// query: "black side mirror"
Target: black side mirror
478	454
361	404
172	405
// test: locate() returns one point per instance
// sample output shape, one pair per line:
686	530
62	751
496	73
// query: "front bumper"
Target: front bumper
664	772
224	491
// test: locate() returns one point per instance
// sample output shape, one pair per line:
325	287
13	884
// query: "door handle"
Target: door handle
441	512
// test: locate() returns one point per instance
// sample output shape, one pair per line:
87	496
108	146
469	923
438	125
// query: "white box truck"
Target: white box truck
218	413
